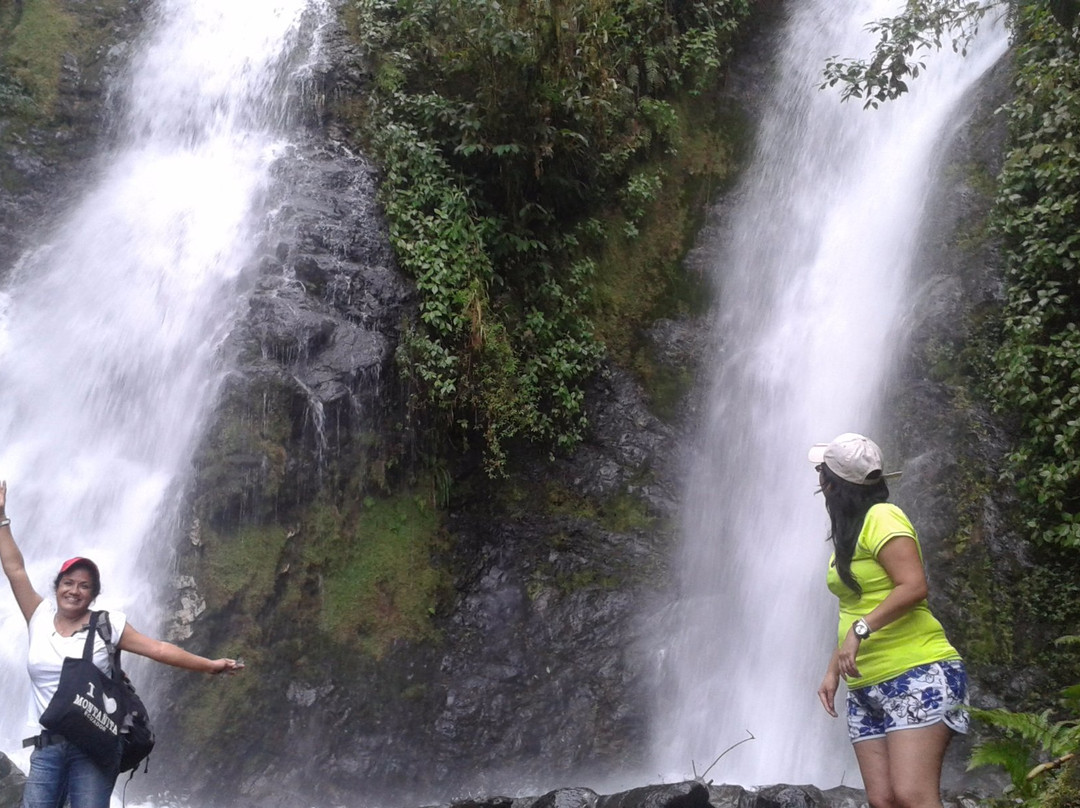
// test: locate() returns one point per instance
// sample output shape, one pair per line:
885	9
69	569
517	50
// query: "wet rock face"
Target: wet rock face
540	670
950	446
314	352
545	676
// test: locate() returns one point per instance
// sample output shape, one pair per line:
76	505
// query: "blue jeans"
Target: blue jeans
63	771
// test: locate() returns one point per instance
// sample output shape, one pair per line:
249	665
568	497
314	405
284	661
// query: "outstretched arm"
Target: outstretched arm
161	651
14	567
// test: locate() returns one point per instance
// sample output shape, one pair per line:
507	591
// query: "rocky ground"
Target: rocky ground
694	794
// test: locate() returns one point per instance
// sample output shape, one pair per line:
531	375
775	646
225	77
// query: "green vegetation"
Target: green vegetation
32	46
363	573
521	144
241	568
1038	216
1034	382
619	513
379	584
213	714
1038	750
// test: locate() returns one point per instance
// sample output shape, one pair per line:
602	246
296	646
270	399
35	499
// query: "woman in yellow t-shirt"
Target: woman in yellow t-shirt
907	688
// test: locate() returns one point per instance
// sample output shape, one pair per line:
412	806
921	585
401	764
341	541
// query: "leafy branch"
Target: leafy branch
924	26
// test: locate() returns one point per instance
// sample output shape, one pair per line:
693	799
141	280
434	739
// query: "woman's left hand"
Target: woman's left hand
846	657
229	666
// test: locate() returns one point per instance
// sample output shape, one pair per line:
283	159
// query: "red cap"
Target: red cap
71	562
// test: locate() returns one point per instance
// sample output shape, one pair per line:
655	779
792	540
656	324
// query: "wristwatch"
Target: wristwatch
861	629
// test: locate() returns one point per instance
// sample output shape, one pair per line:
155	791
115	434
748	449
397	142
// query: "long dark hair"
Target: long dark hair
847	504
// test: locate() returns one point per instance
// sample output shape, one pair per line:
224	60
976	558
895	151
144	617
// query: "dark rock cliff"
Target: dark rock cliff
527	670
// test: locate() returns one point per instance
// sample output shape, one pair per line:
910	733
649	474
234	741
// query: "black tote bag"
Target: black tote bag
136	733
88	706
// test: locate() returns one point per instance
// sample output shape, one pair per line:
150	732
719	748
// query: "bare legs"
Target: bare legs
903	769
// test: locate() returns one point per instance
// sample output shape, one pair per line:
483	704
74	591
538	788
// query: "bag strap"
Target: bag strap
91	630
104	628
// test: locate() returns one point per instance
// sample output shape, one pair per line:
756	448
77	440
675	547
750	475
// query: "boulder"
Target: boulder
12	782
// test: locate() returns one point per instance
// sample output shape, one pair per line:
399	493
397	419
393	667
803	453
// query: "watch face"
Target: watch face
861	629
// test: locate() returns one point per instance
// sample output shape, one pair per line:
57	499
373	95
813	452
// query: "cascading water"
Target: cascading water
813	282
110	331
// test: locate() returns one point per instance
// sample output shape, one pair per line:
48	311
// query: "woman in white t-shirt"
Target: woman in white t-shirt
59	770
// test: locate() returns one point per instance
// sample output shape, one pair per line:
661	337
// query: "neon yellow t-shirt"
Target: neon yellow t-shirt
914	639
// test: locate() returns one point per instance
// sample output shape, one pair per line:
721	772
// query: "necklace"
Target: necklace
68	628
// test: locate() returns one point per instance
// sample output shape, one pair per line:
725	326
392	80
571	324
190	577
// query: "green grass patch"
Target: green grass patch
30	67
625	513
243	566
619	513
987	634
666	386
380	584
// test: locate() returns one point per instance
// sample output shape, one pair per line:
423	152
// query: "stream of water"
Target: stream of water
111	328
813	283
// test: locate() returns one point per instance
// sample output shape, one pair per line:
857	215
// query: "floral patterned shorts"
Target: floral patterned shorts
916	698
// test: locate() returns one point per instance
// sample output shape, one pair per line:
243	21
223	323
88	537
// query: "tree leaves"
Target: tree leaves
506	134
1038	217
923	26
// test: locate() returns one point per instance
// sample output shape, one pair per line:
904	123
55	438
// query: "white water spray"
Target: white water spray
110	331
813	285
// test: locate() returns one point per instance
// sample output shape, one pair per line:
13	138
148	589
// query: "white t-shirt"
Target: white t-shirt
48	650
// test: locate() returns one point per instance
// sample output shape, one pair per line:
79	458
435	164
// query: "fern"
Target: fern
1011	754
1051	738
1025	739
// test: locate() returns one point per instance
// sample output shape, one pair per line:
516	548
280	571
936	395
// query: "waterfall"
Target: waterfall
813	280
111	329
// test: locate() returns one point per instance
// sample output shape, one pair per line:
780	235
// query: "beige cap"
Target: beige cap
852	457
